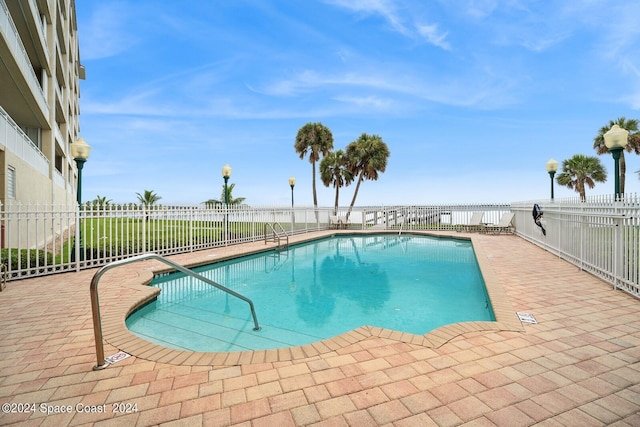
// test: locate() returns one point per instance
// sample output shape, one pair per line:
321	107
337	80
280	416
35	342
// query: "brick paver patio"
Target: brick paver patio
578	366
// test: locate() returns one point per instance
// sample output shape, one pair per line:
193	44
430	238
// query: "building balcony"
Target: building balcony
22	95
14	140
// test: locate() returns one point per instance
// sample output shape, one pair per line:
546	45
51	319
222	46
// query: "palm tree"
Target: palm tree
580	170
148	199
232	201
334	171
101	202
317	140
366	156
633	144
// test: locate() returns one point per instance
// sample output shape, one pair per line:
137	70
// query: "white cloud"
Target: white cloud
398	85
106	33
390	13
434	35
480	9
629	67
310	80
367	102
384	8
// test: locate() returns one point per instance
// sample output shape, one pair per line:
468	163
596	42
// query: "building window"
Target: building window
11	182
58	162
35	135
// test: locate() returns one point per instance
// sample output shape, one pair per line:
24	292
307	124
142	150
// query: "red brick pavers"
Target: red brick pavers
578	366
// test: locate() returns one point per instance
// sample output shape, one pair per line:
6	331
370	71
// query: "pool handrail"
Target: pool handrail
95	303
276	235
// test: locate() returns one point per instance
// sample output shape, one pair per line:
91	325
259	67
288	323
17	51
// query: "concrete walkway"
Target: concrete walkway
578	366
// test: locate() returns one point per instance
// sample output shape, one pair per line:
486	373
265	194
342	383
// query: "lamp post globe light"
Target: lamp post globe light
616	139
80	152
292	183
226	173
552	167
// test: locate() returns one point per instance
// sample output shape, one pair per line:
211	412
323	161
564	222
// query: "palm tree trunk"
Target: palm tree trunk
315	194
313	184
581	191
355	251
355	194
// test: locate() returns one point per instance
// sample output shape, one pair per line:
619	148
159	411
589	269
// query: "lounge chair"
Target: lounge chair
475	224
338	222
503	226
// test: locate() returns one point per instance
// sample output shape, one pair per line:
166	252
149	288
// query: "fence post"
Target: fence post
617	244
191	221
77	236
144	229
226	224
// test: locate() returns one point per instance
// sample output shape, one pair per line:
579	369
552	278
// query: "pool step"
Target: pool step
192	328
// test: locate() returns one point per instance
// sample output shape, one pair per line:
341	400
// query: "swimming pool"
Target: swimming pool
317	290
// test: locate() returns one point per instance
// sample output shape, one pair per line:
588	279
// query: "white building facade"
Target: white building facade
39	92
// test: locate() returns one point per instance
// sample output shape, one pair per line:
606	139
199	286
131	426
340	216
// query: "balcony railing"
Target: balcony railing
15	45
18	143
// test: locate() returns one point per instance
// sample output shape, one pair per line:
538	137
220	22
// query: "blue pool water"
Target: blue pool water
318	290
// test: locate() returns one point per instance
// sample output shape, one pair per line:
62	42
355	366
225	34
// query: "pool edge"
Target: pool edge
136	292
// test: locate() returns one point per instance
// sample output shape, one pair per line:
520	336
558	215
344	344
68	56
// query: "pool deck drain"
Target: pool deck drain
579	365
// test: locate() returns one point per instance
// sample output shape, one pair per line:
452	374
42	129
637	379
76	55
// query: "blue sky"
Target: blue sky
471	96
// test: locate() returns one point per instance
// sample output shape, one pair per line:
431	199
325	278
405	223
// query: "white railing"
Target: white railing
18	143
600	236
41	239
34	10
435	217
10	33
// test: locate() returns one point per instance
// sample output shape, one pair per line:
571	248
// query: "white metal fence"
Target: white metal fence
600	236
38	239
440	217
44	239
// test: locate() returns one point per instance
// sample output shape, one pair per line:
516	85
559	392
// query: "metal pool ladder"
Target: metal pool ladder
95	304
276	235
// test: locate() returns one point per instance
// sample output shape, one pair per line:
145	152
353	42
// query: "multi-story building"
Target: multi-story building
39	91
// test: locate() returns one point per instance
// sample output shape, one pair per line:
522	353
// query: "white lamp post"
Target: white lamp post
552	167
80	152
226	173
292	183
616	139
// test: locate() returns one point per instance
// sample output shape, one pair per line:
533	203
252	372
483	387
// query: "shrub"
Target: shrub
27	258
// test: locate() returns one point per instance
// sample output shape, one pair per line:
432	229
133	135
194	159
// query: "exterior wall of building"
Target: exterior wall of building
30	186
39	101
40	75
